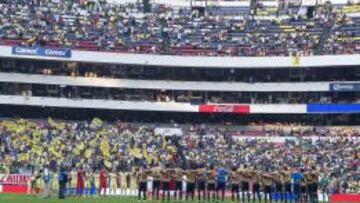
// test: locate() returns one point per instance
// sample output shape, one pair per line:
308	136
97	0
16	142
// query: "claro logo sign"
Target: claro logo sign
40	51
345	87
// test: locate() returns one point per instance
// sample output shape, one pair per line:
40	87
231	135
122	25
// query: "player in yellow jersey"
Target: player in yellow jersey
235	181
142	178
113	184
178	177
123	187
118	182
87	184
256	179
96	181
267	180
166	178
190	184
156	174
72	183
211	179
245	183
201	182
133	183
54	184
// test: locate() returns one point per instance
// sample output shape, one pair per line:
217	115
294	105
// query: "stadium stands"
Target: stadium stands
94	84
119	28
28	144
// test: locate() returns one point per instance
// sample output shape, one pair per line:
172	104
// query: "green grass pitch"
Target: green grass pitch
21	198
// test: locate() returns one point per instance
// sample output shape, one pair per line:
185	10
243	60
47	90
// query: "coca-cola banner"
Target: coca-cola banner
224	108
14	179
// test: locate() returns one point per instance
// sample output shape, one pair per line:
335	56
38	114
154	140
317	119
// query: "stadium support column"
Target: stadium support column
146	6
253	7
206	8
164	36
166	42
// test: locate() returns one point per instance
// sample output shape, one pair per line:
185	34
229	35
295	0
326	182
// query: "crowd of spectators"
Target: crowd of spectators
113	27
344	38
26	145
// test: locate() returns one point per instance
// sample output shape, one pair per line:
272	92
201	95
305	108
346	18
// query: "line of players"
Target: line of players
209	182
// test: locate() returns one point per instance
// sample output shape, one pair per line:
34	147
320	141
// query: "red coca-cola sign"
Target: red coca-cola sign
224	108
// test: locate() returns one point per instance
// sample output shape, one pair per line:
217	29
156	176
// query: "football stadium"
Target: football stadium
233	101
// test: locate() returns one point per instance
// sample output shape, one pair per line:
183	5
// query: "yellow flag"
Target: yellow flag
295	59
107	164
136	152
88	153
23	157
164	144
148	157
36	134
97	121
76	151
105	148
93	142
55	152
36	149
81	146
31	40
59	126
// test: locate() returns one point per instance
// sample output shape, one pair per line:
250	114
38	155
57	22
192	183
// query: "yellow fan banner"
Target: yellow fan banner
105	148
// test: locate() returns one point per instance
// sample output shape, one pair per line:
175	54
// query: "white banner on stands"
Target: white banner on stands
169	131
309	2
277	139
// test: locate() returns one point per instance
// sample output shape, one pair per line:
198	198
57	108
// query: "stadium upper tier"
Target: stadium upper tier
120	28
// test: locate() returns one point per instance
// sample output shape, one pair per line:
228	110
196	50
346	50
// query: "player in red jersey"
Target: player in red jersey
80	184
102	181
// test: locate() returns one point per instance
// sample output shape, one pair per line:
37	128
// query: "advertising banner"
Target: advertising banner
224	108
333	108
345	198
14	179
40	51
345	87
168	131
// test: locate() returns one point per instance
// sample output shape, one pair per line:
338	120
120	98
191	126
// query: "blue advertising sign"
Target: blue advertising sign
345	87
40	51
333	108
